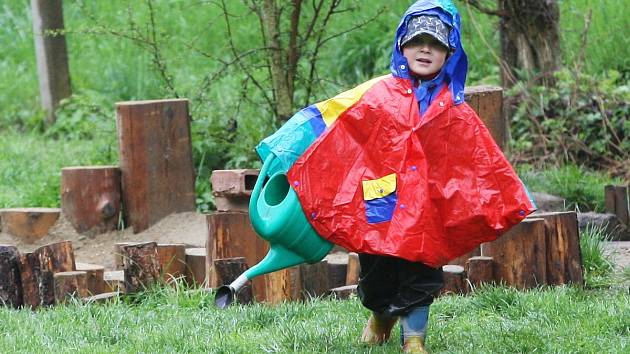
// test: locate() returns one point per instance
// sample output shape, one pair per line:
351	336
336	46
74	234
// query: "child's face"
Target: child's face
425	55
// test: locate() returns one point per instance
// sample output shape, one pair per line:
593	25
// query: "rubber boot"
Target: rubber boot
378	329
413	330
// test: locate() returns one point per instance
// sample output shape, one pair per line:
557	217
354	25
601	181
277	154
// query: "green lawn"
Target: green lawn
494	320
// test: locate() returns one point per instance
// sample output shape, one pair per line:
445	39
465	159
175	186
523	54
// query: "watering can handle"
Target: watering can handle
260	182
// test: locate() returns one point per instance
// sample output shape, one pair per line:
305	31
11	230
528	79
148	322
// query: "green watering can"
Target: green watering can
277	216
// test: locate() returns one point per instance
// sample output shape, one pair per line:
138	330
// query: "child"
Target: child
401	170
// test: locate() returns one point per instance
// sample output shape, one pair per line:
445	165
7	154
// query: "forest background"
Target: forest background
569	137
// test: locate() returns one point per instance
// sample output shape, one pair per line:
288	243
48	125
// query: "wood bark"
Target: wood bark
118	257
520	255
530	39
95	277
155	160
141	266
617	202
90	198
29	224
10	281
479	270
197	267
354	269
51	53
454	279
284	285
227	270
172	259
70	285
57	257
230	234
337	269
564	257
315	279
30	275
487	101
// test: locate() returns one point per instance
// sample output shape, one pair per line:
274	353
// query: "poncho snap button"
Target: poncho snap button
409	91
296	183
441	104
402	67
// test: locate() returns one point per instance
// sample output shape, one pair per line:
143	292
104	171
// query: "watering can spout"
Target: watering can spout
277	216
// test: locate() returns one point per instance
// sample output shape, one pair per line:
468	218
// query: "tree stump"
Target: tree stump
70	285
315	279
118	258
172	259
227	270
196	267
479	270
454	280
95	277
343	292
520	255
10	282
141	266
564	257
155	160
30	275
29	224
57	257
232	189
284	285
461	260
354	269
337	268
230	235
487	101
90	198
114	281
618	203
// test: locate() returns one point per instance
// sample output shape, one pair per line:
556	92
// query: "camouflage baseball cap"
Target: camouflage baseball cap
426	24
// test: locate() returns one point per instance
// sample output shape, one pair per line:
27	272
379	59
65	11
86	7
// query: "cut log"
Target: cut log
230	235
118	258
10	283
461	260
29	224
141	266
70	285
343	292
196	267
114	281
564	258
520	255
479	270
284	285
354	269
487	101
38	285
155	160
95	275
232	188
172	258
337	269
101	298
617	202
90	198
315	279
454	280
57	257
227	270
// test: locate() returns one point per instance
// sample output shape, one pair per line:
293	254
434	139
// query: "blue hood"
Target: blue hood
456	66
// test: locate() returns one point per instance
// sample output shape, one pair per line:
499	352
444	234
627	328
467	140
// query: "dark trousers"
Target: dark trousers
394	286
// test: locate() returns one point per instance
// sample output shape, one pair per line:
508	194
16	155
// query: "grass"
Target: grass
493	320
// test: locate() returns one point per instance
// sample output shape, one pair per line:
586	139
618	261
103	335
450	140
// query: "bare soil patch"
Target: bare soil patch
187	228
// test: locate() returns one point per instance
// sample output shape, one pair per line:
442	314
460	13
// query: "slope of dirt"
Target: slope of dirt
188	228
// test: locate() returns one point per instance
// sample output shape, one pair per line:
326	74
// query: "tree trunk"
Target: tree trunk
10	282
530	39
70	285
172	259
197	267
454	280
227	270
141	266
95	277
315	279
479	270
90	198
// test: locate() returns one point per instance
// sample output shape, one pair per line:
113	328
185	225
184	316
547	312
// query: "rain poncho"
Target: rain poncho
375	176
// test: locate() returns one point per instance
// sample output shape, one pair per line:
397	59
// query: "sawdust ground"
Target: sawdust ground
187	228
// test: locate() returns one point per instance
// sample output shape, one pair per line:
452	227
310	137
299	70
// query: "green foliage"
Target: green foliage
582	188
583	119
177	319
597	266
